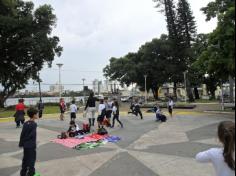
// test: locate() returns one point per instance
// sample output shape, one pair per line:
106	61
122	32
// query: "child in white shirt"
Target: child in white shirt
223	159
73	111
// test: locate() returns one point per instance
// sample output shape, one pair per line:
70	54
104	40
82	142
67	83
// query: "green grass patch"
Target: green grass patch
6	113
51	110
10	112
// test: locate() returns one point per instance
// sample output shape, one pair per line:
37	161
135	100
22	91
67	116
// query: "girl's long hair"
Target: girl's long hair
226	133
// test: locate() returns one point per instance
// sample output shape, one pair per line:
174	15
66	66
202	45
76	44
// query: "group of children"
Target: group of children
106	109
136	110
223	159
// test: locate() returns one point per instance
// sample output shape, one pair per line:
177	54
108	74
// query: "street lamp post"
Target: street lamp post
83	89
83	82
185	85
40	92
60	86
145	76
222	97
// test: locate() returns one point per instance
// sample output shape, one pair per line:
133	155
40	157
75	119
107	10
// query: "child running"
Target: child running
28	143
223	159
116	114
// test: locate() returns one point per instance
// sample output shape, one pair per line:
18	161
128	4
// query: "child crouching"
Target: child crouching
74	130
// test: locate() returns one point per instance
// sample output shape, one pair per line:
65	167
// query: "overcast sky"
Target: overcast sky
93	31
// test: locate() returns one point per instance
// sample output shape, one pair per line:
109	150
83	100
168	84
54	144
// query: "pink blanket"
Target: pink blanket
72	142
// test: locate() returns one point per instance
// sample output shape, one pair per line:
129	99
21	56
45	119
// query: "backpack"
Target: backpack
106	122
86	128
102	131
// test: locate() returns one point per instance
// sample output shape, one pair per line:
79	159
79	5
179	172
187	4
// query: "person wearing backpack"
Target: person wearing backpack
223	159
116	115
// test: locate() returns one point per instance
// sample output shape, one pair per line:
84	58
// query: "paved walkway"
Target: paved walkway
147	149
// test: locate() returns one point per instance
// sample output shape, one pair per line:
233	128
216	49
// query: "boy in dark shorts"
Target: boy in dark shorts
28	143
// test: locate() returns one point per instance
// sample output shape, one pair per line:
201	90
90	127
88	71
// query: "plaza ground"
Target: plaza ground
147	148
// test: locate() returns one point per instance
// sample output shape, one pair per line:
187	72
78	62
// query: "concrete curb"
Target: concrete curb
220	112
124	113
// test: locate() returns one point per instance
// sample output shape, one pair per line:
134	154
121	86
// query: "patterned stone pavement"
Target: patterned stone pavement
147	149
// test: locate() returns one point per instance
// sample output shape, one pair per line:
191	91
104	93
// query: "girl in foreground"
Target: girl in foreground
223	159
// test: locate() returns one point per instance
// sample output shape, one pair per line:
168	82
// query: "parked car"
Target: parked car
126	99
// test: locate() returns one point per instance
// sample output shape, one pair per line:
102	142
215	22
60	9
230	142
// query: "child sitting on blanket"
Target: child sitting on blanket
74	130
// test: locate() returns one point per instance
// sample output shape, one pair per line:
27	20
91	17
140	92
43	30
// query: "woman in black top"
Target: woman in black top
91	108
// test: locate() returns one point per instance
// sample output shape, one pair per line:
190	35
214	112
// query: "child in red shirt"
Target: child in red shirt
20	113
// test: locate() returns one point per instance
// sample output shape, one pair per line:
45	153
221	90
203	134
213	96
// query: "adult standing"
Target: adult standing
91	108
171	106
62	106
20	113
40	108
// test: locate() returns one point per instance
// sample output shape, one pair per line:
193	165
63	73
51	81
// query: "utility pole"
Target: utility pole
185	85
40	92
60	85
222	97
145	76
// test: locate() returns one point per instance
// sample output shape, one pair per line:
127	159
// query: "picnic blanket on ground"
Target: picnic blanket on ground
112	139
87	142
73	142
90	145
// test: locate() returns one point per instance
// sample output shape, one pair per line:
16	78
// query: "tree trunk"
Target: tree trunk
189	91
213	94
196	92
155	93
232	83
2	102
175	91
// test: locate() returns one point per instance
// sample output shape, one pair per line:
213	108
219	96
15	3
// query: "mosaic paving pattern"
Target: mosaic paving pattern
147	149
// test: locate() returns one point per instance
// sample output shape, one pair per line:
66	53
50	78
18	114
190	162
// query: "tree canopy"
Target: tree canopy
152	59
219	55
26	43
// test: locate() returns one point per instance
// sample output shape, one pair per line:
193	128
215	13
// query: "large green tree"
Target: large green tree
219	56
198	68
26	44
182	31
187	33
152	59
